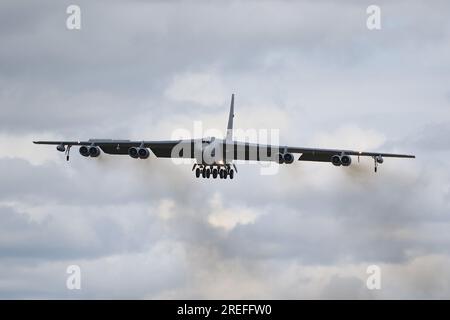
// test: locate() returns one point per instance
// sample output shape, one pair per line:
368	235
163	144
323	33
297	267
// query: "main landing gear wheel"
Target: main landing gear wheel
214	172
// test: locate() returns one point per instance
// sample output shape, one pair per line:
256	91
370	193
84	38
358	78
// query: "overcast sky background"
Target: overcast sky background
149	229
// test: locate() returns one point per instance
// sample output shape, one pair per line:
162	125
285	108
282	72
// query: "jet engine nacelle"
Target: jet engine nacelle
379	159
288	158
280	159
61	148
343	160
91	151
135	153
143	153
84	151
346	160
336	160
94	151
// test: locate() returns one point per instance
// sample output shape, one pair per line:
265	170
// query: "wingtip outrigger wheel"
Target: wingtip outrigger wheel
68	152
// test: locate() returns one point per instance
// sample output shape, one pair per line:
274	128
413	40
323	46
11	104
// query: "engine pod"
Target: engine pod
133	152
288	158
280	158
346	160
336	160
94	151
143	153
379	159
61	148
84	151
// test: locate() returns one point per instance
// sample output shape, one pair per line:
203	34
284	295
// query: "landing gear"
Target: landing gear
68	152
216	171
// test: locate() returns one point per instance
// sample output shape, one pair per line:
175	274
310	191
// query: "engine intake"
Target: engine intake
133	152
280	158
288	158
94	151
346	160
84	151
61	148
336	160
143	153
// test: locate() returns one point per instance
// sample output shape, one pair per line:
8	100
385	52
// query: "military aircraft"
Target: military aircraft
214	157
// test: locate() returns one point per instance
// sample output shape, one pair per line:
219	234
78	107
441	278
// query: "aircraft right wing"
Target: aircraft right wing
161	149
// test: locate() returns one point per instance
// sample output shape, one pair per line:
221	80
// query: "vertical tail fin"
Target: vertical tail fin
230	120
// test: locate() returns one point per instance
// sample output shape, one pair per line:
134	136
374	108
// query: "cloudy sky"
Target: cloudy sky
149	229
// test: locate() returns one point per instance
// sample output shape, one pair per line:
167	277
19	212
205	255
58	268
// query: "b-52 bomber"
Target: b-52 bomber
213	156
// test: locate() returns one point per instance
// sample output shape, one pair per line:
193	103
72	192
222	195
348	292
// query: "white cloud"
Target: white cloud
14	146
206	89
166	209
351	137
228	218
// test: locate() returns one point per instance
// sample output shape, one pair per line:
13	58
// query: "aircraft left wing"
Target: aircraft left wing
284	154
254	151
